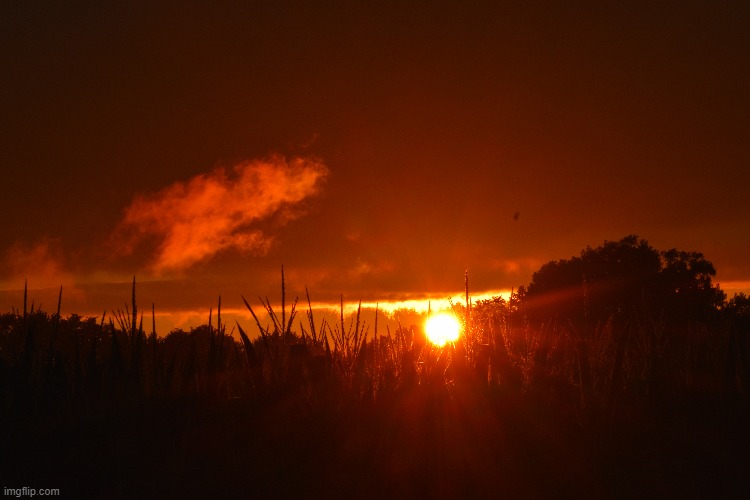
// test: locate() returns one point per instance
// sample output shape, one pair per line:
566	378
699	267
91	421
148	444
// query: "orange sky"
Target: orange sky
375	151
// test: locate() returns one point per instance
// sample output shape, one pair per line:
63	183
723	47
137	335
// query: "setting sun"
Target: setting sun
442	328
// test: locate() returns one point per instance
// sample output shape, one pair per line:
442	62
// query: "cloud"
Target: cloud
192	221
41	263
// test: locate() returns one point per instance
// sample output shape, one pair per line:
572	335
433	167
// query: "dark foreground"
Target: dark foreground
445	442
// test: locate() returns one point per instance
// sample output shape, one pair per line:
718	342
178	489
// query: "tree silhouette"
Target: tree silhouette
687	291
619	277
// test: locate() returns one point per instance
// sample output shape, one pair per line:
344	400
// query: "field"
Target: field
99	408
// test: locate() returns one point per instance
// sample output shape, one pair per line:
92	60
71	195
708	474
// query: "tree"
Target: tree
686	288
737	310
618	277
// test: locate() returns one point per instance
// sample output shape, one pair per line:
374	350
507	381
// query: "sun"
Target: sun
442	328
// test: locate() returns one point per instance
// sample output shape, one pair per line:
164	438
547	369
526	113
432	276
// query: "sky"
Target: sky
375	150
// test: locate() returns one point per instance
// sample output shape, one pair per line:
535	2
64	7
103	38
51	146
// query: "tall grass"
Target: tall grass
599	373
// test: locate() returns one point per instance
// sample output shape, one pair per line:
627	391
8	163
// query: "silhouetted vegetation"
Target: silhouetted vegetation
618	278
621	372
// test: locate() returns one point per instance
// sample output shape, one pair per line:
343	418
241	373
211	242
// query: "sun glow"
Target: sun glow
442	328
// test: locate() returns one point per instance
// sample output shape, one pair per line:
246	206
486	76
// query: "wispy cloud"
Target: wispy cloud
41	263
192	221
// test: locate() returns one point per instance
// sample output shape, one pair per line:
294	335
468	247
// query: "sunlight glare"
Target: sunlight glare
442	328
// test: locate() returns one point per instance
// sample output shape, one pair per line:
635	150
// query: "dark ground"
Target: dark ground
457	442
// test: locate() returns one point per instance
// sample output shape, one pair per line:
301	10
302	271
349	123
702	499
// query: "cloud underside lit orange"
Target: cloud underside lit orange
194	220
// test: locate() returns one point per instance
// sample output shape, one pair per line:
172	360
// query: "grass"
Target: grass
515	408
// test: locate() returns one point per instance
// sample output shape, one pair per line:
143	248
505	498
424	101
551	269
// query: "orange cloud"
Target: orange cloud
515	266
41	263
194	220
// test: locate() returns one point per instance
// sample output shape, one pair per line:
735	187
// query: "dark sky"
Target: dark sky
375	149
